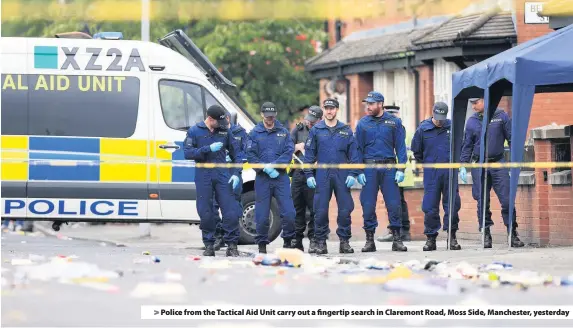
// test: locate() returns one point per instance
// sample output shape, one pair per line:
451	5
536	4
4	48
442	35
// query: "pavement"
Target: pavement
28	302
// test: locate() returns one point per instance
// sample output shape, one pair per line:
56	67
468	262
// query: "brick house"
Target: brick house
411	63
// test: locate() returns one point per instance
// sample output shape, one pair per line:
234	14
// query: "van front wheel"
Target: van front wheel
247	225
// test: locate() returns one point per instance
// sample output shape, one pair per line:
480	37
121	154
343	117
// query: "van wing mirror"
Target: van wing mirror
234	118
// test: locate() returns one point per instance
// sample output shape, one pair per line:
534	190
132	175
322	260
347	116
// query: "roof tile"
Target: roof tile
363	50
487	25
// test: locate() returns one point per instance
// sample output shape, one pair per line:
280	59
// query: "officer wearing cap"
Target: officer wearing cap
499	131
302	195
331	142
270	143
431	144
380	137
405	230
240	135
206	142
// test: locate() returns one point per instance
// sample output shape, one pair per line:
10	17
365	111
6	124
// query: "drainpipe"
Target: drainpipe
416	101
416	91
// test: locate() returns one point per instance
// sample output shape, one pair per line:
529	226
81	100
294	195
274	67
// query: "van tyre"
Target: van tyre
247	221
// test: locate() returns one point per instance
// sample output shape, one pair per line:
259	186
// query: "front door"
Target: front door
178	105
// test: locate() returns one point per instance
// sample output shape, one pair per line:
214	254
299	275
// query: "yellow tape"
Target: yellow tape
185	10
534	165
246	166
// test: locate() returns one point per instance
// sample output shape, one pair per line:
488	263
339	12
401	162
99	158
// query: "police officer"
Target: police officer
270	142
241	136
380	138
302	195
499	130
206	142
332	142
431	144
405	230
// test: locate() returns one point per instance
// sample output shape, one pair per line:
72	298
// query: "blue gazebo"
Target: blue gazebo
540	65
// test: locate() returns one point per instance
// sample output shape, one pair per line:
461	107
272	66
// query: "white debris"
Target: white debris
21	262
66	270
151	289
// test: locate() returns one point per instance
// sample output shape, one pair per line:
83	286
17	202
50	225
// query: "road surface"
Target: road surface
117	302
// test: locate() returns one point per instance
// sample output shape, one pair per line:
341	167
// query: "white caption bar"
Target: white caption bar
303	312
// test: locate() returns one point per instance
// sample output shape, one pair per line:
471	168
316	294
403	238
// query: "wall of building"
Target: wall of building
551	107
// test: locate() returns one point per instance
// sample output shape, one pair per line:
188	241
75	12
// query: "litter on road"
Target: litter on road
282	271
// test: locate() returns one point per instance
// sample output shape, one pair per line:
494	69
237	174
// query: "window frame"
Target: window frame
204	92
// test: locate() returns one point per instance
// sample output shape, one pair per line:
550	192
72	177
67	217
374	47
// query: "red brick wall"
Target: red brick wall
550	226
426	91
360	85
505	104
550	107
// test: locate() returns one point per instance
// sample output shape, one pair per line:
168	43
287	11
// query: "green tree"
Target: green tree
265	59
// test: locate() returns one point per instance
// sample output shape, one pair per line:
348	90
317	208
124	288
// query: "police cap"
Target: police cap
269	109
440	111
216	112
331	102
314	114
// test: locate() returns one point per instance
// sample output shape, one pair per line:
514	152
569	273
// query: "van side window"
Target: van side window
14	104
210	100
82	106
181	104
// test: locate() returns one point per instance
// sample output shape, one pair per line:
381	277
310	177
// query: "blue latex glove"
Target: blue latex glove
273	174
235	180
216	146
464	174
362	179
311	182
399	176
268	169
228	159
350	180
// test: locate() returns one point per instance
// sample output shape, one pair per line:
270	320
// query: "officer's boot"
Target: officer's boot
430	243
370	245
232	250
218	242
297	243
345	247
287	243
313	246
263	248
385	238
454	246
321	247
515	241
397	244
405	235
488	241
209	251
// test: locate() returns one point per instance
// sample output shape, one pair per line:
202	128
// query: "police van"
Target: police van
93	129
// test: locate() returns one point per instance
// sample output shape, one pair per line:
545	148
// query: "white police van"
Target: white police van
92	129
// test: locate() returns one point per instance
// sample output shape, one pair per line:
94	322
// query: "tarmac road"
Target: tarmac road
50	303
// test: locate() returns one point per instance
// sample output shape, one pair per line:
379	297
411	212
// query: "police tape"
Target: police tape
188	163
130	10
